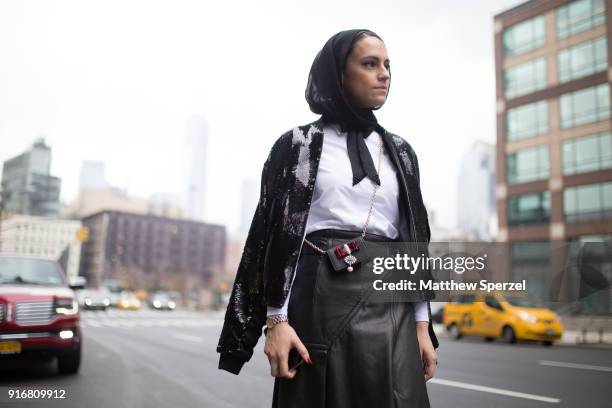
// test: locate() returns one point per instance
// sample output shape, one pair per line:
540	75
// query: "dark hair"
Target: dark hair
363	34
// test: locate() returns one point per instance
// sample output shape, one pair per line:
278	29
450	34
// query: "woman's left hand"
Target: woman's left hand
429	357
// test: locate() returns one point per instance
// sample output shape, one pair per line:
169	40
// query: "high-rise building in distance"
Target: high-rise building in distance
27	186
477	209
196	149
92	175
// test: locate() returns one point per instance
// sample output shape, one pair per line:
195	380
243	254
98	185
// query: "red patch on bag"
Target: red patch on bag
341	250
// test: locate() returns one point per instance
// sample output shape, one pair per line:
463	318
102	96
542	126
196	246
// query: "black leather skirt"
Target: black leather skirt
364	353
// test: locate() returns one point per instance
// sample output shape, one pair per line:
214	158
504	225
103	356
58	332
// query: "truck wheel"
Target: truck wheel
454	331
508	335
69	363
547	343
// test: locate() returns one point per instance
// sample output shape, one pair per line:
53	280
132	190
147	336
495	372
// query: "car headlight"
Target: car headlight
88	301
171	304
157	303
66	306
527	317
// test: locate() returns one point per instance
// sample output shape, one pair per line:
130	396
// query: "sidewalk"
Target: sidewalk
569	337
587	330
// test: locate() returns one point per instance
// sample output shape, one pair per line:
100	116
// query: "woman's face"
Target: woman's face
366	76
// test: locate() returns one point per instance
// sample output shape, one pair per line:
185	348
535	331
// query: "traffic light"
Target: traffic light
82	234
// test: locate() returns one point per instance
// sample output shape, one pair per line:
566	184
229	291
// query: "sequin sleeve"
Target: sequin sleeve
246	311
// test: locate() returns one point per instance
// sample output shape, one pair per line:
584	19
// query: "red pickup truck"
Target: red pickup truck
39	313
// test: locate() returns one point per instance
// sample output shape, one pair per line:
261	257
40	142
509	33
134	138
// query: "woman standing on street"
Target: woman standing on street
328	188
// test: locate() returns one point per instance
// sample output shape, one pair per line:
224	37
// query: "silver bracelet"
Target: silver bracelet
273	320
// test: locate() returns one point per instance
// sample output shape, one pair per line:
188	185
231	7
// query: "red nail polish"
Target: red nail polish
309	361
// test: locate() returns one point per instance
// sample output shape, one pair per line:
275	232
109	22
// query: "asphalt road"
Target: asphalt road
159	359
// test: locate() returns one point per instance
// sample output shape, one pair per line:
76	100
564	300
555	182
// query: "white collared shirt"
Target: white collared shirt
337	204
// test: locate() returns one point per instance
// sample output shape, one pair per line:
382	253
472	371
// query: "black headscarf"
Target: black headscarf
326	97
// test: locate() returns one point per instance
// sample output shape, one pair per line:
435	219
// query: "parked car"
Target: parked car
39	313
161	301
128	301
94	299
493	316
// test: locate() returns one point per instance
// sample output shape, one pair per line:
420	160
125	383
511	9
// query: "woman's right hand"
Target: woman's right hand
280	339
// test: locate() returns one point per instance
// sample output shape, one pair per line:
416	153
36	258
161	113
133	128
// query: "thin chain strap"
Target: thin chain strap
376	186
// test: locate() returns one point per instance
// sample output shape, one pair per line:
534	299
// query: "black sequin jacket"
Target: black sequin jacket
277	231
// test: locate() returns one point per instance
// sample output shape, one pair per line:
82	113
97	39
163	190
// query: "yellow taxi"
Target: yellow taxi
128	301
510	317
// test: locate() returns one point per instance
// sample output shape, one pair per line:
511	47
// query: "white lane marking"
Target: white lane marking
574	365
492	390
187	337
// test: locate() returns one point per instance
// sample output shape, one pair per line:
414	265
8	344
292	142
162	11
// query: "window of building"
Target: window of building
524	36
525	78
578	16
590	262
585	106
527	120
589	153
529	209
530	252
583	59
588	202
593	238
528	165
531	261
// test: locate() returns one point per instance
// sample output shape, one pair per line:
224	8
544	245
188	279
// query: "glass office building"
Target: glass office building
27	187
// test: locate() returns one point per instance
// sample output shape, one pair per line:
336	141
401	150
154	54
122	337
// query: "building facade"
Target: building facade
50	238
151	252
91	201
554	141
27	186
94	200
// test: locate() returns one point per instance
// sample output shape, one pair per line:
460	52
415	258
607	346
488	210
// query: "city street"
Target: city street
159	359
154	163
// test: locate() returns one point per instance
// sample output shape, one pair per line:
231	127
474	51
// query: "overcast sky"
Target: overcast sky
117	81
